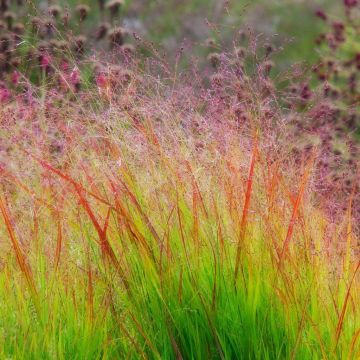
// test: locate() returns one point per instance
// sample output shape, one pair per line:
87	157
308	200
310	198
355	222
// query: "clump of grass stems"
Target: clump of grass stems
157	223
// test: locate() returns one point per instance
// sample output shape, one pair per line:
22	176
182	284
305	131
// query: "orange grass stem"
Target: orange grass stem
246	207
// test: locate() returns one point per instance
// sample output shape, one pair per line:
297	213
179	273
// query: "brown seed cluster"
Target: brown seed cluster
58	34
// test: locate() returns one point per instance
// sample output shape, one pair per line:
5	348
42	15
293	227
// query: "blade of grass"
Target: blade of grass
343	310
20	257
246	207
296	207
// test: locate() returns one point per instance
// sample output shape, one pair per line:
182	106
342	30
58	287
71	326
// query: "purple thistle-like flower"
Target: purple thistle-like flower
4	94
350	3
321	14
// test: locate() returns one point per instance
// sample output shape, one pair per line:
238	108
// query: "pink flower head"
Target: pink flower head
350	3
338	26
4	94
75	76
45	60
64	66
101	80
15	77
321	14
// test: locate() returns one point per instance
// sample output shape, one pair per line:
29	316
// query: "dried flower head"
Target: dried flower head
53	44
5	43
321	14
66	18
101	5
15	63
43	46
114	7
18	28
5	94
267	66
79	44
338	27
350	3
240	52
101	79
4	5
54	11
305	92
116	36
49	26
210	42
125	77
36	24
128	49
269	49
10	17
45	60
102	31
242	36
61	45
214	59
217	80
82	11
3	62
119	77
75	79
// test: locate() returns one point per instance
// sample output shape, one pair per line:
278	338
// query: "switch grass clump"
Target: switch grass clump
164	216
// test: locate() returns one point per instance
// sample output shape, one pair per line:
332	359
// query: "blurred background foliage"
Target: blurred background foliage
169	22
291	21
